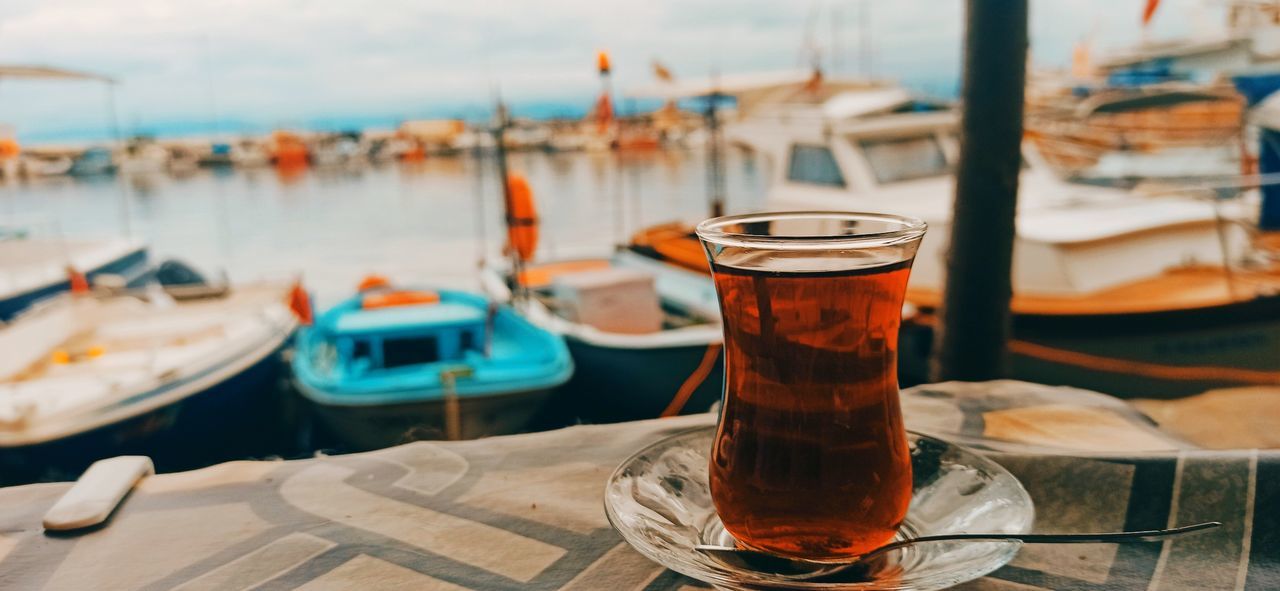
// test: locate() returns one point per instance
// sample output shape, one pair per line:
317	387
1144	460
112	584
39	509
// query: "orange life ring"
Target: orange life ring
522	217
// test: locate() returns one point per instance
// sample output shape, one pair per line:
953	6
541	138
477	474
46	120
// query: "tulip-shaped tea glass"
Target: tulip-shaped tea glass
810	459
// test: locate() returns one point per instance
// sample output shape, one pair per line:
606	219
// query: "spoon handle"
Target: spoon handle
1124	536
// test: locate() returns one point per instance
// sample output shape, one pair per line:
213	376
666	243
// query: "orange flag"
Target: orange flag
79	283
814	85
1149	11
300	304
602	62
661	72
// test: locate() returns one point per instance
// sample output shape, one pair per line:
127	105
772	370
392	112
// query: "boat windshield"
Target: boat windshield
410	351
815	165
905	158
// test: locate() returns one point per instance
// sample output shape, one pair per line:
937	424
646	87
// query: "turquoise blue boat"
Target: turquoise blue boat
390	366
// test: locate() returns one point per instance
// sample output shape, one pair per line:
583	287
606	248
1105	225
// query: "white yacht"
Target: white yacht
1121	291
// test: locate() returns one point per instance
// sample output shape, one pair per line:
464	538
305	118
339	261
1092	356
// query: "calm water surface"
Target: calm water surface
418	224
413	222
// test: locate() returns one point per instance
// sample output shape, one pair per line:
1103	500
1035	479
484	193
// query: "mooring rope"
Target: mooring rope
694	380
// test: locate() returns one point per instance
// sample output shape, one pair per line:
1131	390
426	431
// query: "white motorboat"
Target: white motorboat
1120	291
87	376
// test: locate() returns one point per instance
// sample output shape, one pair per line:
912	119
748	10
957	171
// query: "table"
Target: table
525	512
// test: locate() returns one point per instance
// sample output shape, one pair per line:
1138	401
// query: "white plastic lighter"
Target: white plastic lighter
95	495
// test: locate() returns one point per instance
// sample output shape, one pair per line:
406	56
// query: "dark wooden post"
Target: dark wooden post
975	315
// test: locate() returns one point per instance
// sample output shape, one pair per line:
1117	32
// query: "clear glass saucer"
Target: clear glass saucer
659	501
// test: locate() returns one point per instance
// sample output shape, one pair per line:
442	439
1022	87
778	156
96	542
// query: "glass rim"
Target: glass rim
912	228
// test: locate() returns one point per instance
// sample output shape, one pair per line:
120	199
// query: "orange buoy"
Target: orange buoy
522	218
9	148
373	281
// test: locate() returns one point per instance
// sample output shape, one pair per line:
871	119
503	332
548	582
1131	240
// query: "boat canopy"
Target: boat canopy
730	84
1174	48
755	89
848	105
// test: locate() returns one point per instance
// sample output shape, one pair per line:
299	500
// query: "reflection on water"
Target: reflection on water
413	221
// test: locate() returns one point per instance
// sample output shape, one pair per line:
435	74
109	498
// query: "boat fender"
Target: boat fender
373	281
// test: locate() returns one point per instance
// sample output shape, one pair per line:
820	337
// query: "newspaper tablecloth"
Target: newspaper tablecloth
525	512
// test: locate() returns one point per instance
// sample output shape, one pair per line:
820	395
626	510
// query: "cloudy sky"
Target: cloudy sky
294	62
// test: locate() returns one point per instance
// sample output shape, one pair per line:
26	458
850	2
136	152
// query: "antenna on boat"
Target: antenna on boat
809	50
864	37
113	119
835	39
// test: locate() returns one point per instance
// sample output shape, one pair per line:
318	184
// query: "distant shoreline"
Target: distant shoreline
235	127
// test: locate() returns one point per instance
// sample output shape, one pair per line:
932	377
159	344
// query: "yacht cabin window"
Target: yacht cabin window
905	158
815	165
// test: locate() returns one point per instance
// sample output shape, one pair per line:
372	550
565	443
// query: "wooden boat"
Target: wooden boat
84	377
675	369
389	366
1117	291
35	267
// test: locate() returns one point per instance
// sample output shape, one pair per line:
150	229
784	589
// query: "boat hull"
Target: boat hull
613	384
1164	354
132	266
232	418
367	427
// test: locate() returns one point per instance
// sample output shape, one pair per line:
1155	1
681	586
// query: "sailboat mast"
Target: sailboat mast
113	119
500	152
477	162
715	156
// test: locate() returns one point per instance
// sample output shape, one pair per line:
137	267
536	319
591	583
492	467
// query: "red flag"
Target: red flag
300	304
1149	11
604	112
79	283
661	72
